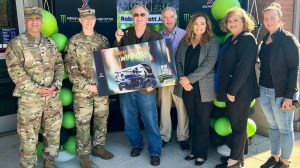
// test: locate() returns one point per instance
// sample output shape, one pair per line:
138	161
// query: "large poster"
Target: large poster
133	67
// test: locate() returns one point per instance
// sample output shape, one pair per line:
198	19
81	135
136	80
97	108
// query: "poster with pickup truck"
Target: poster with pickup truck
134	67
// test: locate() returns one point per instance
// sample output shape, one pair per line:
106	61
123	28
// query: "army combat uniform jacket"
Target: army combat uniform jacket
33	64
79	59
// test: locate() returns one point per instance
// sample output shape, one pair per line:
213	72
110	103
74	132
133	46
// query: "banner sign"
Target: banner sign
133	67
67	16
154	6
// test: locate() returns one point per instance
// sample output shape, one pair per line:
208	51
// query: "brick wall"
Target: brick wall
287	7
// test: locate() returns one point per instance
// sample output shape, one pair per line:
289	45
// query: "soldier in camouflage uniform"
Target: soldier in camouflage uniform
78	59
36	67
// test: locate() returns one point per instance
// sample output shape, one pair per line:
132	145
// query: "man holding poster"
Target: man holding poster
143	101
87	102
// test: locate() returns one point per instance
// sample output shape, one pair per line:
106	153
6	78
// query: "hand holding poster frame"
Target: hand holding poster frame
134	67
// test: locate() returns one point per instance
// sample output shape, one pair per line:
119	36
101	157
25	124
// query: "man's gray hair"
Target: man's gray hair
169	8
140	5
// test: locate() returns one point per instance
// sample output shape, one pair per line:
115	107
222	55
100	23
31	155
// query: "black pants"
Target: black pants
198	113
238	116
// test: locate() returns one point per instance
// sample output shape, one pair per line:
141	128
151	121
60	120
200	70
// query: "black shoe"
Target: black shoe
199	162
155	160
280	164
135	152
224	165
163	143
184	145
225	158
189	157
236	165
269	163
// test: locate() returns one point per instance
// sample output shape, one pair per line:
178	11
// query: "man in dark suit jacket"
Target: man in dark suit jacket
140	101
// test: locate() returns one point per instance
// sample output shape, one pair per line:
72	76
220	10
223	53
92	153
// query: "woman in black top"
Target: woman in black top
195	60
279	56
237	84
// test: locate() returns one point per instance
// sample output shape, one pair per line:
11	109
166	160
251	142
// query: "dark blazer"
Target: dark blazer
237	69
129	39
284	63
204	74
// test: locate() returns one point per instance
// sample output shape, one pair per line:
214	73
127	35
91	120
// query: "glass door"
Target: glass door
9	28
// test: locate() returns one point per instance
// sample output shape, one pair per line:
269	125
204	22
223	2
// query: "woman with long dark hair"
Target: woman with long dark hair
195	60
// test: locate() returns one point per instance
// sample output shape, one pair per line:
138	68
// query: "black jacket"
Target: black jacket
237	69
129	37
284	63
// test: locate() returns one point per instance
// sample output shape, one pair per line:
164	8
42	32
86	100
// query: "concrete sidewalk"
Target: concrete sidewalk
172	156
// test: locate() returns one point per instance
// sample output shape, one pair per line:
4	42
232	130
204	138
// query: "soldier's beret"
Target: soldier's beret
83	12
32	11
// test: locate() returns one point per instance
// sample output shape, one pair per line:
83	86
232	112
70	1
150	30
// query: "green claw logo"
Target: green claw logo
186	17
63	19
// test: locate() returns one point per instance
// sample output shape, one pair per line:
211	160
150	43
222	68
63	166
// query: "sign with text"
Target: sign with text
134	67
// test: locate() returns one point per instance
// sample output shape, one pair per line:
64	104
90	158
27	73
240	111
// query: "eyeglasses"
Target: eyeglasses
139	14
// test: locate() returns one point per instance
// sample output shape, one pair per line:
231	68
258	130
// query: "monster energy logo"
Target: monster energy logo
186	17
210	2
63	19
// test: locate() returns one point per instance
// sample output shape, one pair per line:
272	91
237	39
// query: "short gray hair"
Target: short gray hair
140	5
168	8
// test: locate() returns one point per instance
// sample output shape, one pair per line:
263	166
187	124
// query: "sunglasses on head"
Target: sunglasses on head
137	14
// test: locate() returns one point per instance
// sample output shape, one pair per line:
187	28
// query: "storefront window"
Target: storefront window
8	22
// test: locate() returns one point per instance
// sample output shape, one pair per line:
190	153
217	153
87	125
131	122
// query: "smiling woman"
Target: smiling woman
237	85
195	60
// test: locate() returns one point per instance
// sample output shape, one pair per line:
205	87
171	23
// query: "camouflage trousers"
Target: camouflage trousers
34	113
86	105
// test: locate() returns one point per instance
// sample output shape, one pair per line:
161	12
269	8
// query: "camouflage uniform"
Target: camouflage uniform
35	63
79	62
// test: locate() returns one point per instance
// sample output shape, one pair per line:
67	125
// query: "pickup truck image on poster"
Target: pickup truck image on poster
134	67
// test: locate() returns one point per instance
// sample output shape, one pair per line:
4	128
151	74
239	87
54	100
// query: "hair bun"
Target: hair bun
275	5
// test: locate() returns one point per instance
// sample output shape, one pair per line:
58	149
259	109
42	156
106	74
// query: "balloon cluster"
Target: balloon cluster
220	124
68	130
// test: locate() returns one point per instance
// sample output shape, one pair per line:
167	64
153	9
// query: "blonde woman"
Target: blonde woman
237	84
279	56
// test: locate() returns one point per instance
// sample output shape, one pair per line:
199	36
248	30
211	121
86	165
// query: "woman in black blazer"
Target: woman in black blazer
279	57
237	84
195	60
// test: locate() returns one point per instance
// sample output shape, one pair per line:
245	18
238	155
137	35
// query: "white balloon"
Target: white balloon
64	156
224	150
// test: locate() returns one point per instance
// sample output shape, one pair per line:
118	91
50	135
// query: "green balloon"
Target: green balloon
219	104
69	120
65	74
221	7
212	122
251	127
252	103
60	41
49	25
222	126
66	96
39	149
70	145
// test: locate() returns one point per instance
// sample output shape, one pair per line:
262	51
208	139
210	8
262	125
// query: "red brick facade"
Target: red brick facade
287	7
